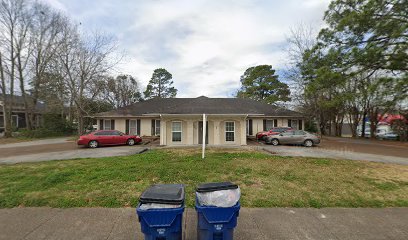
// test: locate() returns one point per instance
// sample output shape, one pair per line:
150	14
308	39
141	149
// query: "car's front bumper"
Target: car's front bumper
82	142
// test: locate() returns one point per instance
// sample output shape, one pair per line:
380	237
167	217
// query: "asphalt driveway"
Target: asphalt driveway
59	149
346	148
253	223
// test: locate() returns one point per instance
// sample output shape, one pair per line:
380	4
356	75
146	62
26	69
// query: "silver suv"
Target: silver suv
294	137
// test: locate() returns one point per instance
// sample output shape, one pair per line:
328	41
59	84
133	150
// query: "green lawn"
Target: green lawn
265	180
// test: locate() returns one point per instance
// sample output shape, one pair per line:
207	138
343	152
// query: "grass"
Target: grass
265	180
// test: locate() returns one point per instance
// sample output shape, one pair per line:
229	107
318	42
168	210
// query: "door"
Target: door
104	137
286	137
200	133
299	137
118	138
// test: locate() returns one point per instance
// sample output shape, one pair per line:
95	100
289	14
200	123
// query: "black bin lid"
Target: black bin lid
211	187
164	193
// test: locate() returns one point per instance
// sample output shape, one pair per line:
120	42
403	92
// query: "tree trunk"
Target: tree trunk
363	124
80	122
7	122
373	122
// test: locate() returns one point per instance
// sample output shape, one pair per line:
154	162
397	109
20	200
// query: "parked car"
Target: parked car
272	131
107	137
389	136
294	137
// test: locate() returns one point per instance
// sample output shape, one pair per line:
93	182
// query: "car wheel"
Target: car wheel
93	144
308	143
275	142
131	142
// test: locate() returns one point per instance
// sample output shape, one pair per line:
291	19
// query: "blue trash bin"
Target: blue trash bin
216	223
162	223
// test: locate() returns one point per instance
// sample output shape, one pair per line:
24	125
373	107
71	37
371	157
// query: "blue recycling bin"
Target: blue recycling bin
162	223
216	223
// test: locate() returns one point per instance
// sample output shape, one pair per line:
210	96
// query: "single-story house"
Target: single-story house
179	121
18	116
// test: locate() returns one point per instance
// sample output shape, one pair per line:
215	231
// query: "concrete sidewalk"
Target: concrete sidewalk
253	223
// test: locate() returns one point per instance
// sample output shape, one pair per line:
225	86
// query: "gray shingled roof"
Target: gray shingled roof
20	100
200	105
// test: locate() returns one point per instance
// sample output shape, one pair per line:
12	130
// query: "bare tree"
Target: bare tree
83	63
302	38
46	39
11	14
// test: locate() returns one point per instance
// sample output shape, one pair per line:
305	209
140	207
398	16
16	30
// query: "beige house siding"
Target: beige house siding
190	128
146	126
257	123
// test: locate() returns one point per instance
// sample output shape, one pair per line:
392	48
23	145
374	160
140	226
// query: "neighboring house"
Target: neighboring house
179	121
18	116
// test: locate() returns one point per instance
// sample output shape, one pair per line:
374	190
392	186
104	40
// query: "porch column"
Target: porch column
163	132
243	132
216	132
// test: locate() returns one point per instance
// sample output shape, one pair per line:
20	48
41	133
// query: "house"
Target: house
179	121
18	116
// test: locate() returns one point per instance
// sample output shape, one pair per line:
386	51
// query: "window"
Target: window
1	121
288	133
102	133
299	132
132	127
116	133
294	124
229	131
157	128
269	124
176	130
107	124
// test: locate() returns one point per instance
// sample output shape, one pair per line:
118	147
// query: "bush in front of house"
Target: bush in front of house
53	126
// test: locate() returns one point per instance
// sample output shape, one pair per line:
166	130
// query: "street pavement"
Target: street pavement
253	223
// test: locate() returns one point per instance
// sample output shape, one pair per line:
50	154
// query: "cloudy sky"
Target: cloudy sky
205	44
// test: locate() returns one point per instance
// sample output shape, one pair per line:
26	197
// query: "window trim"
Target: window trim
229	131
104	124
181	131
155	127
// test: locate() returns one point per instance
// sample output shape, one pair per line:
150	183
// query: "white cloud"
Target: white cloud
205	44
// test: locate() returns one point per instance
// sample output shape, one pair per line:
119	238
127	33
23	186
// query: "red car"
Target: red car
272	131
107	137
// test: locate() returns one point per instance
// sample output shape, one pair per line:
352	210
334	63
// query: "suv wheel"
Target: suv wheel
93	144
131	142
308	143
275	142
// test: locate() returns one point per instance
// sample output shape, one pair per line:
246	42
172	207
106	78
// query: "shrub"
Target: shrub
53	126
